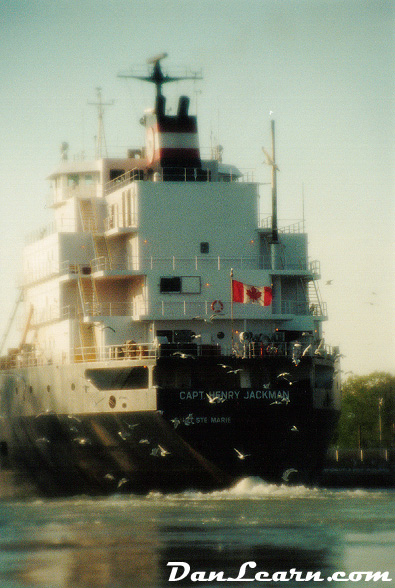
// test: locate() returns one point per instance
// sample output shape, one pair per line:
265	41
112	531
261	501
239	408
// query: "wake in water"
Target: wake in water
257	489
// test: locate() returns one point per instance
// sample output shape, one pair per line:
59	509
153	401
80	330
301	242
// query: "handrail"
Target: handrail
265	222
141	264
131	351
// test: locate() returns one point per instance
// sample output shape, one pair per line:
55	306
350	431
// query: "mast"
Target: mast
271	160
274	188
101	139
157	76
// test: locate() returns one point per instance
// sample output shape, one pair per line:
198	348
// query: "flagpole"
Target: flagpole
231	304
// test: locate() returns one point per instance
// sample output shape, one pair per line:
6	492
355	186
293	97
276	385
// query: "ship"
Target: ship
172	332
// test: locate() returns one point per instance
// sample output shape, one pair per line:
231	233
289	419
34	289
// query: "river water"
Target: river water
289	534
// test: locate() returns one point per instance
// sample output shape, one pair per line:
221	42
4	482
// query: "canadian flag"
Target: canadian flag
244	293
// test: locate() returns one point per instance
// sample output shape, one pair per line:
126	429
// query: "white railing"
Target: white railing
64	225
124	179
63	193
165	264
131	351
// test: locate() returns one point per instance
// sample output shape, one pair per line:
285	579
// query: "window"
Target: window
73	180
180	285
168	285
116	173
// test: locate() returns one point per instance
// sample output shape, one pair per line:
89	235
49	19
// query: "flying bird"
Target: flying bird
241	455
184	355
287	473
122	482
213	399
108	327
163	451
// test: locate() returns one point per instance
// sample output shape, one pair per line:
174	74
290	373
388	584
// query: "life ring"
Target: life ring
271	349
217	306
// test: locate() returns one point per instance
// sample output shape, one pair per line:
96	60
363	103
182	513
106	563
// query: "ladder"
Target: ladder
102	254
90	224
88	295
11	320
314	299
88	216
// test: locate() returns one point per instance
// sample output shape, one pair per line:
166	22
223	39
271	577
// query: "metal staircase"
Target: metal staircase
316	306
102	254
88	216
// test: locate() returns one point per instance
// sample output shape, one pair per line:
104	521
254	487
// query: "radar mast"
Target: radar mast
157	76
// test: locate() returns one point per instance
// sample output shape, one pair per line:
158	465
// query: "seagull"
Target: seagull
306	350
176	422
328	283
285	401
210	319
275	402
82	441
241	455
108	327
213	399
235	371
131	426
287	473
124	436
163	451
144	442
122	482
269	159
284	376
226	367
109	477
295	429
43	441
183	355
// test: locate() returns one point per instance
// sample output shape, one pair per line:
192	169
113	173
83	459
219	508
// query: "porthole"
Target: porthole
48	388
73	386
220	335
124	405
112	402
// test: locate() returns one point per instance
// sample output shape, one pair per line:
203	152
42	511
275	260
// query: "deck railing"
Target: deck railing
131	351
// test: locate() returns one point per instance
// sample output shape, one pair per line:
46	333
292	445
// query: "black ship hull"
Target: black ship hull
200	438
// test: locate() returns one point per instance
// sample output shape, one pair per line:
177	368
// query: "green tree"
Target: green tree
368	412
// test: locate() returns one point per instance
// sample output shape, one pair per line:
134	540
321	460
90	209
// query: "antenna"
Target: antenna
100	139
157	76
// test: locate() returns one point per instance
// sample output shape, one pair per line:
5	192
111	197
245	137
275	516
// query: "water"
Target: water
126	541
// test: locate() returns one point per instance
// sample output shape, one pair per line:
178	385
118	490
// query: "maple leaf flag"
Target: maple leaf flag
244	293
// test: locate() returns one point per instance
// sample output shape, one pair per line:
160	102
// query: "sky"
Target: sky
325	69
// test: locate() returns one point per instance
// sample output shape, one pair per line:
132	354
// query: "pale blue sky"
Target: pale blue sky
325	69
